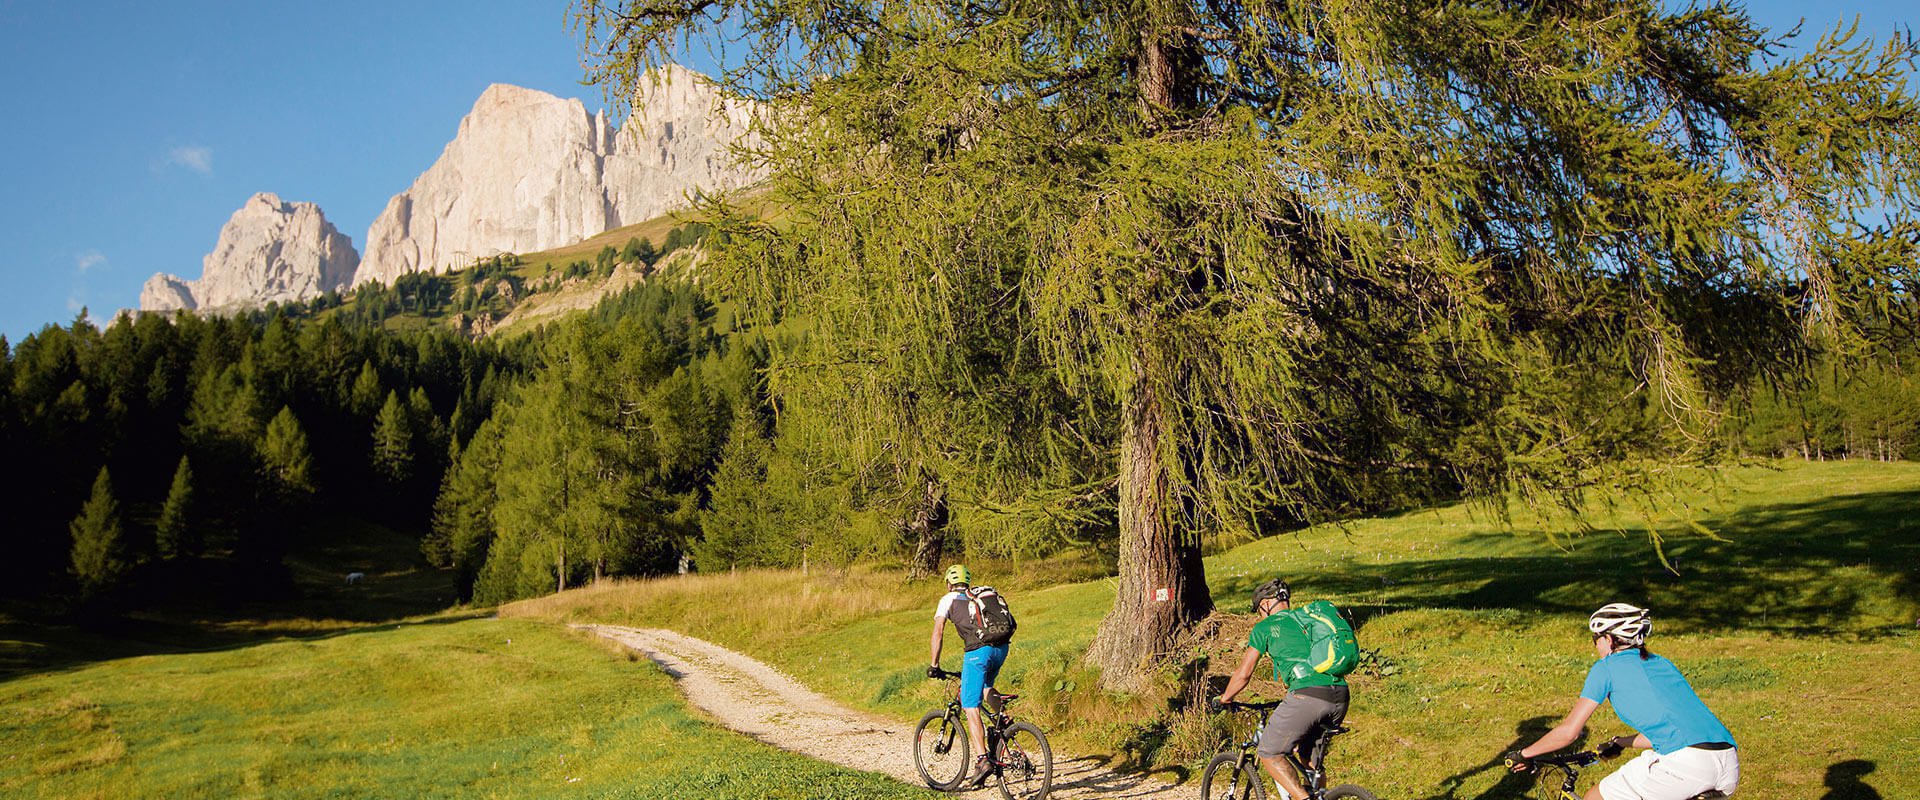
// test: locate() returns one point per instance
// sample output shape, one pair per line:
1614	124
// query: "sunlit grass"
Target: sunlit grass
1796	625
448	707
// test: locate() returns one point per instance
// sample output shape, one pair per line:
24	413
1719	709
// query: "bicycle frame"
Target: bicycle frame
1312	769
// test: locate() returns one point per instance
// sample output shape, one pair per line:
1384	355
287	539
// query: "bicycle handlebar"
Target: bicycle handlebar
943	675
1581	758
1238	706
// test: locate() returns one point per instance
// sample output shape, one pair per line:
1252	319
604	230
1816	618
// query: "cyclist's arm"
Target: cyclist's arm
1241	675
939	634
1566	732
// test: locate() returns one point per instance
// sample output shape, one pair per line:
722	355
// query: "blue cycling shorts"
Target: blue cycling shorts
977	672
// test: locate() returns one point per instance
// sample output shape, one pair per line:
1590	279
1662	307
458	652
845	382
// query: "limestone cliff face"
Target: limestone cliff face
269	251
528	171
165	292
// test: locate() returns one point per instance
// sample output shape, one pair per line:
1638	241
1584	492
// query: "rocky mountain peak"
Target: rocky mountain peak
269	251
528	171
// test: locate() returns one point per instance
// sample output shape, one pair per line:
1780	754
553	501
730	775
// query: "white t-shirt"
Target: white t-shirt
957	607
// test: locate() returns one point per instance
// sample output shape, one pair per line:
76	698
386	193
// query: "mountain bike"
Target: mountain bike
1022	759
1554	776
1236	775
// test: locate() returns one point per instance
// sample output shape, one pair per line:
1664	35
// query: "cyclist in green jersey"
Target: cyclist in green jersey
1313	699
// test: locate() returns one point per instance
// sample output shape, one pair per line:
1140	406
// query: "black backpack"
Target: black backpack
991	615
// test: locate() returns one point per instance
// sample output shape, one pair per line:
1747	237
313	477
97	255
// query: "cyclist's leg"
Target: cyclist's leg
1286	727
1650	776
973	684
996	657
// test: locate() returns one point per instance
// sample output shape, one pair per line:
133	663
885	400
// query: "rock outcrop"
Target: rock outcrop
269	251
528	171
165	292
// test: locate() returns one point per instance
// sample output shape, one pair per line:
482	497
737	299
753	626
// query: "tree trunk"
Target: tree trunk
1162	581
925	526
560	561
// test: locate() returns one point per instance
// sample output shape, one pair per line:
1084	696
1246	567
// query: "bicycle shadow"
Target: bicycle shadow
1512	785
1843	781
1089	775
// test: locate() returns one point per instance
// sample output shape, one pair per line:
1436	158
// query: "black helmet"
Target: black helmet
1275	589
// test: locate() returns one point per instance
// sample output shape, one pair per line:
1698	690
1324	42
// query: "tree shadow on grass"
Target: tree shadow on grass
39	647
220	602
1841	564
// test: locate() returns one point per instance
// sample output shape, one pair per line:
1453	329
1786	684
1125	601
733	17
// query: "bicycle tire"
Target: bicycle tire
1026	763
1242	780
1348	790
936	740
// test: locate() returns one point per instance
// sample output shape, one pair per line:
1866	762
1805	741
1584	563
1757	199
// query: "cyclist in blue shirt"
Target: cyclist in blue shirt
1687	751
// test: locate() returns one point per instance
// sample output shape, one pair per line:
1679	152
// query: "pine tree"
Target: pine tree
285	461
741	526
393	441
365	397
1284	259
99	559
173	534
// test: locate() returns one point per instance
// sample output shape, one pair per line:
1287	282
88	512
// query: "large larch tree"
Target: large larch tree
1213	263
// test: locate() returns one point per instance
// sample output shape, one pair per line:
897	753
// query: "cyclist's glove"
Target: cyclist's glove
935	672
1517	762
1214	705
1615	746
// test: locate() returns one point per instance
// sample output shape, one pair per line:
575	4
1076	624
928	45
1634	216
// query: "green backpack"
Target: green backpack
1331	648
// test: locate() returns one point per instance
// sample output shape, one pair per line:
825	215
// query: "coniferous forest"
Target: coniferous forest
163	458
179	457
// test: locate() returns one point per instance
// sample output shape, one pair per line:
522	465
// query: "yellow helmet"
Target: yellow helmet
959	574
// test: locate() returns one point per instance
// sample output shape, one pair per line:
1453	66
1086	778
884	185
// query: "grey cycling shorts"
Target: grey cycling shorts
1300	714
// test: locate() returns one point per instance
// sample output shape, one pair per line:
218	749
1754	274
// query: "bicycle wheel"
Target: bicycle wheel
940	750
1551	782
1026	763
1349	790
1232	776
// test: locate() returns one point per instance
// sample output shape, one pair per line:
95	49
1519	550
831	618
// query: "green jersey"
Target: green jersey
1285	642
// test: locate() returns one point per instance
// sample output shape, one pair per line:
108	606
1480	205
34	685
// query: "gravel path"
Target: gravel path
755	699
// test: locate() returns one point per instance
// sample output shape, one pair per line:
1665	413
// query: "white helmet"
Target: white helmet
1627	624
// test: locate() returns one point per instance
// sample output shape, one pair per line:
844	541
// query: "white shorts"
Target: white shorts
1678	775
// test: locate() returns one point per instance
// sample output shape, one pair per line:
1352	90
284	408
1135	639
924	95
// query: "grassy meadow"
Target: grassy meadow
1793	615
446	706
324	694
1796	624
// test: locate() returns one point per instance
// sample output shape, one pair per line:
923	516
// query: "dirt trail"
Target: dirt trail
753	698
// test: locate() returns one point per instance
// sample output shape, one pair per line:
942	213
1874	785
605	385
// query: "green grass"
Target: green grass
1796	624
446	707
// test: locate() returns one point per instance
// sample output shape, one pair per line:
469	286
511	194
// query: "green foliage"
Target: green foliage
240	400
1838	408
393	441
99	560
174	533
367	391
639	250
1197	267
765	510
285	460
600	461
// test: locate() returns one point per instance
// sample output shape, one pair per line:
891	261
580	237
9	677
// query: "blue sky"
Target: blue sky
134	129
